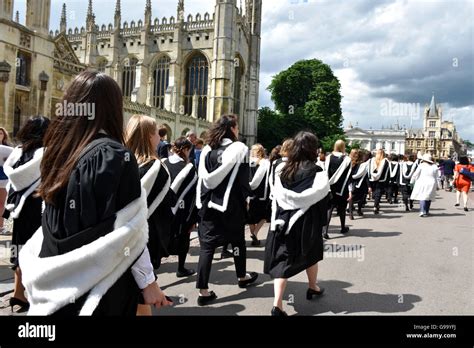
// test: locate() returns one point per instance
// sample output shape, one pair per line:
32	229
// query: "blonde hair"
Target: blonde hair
379	157
286	147
355	156
6	138
257	151
137	138
340	146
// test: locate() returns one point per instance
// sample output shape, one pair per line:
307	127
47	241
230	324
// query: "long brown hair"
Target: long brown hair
180	145
6	138
137	138
305	148
355	156
258	151
69	134
379	157
221	129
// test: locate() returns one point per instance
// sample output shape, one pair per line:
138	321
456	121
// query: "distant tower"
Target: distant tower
254	19
63	23
38	13
148	14
6	9
91	37
223	58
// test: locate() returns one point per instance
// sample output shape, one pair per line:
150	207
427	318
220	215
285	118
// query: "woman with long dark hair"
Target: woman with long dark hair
300	204
407	169
142	137
23	171
183	184
222	191
5	151
90	257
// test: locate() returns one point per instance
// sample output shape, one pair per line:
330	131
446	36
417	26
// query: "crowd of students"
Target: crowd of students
96	206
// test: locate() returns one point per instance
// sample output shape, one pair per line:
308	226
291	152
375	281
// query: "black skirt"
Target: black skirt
303	247
258	210
25	226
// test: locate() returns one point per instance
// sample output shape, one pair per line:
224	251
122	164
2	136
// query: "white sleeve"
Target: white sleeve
143	271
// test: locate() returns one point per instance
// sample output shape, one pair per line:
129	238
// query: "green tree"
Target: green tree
307	97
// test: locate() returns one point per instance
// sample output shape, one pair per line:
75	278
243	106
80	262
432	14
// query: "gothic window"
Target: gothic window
161	78
418	143
432	134
128	76
432	124
197	75
238	72
23	62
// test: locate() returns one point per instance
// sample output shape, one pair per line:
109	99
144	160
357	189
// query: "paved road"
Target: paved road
395	264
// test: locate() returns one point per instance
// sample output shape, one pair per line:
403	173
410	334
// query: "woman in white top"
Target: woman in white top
5	151
426	184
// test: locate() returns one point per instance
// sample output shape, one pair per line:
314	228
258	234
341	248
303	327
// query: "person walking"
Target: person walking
407	169
462	181
359	185
222	191
295	243
379	169
449	166
5	151
425	179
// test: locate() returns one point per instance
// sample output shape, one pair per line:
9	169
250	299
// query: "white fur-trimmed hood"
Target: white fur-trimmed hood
52	283
25	175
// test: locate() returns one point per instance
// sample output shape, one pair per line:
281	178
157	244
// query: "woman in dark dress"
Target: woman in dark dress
90	256
222	191
23	170
258	212
183	184
300	204
142	137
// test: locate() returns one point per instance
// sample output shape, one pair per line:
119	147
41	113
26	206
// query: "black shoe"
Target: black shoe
310	293
406	208
185	273
277	312
255	241
205	300
360	213
457	205
376	211
24	306
465	209
326	236
345	230
226	254
246	282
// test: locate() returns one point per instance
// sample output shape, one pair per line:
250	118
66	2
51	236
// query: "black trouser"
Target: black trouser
406	193
206	255
392	192
378	190
340	204
359	207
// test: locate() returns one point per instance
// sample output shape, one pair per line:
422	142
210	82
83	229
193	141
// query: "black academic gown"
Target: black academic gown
259	205
341	185
360	186
159	223
288	255
219	228
186	211
103	182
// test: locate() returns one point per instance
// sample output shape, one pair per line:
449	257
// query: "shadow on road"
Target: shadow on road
363	233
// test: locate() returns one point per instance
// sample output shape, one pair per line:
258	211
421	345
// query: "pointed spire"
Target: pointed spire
148	14
90	20
63	24
118	14
432	112
118	8
17	17
180	10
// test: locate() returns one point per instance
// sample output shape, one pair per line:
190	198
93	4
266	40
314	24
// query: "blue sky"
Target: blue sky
385	52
